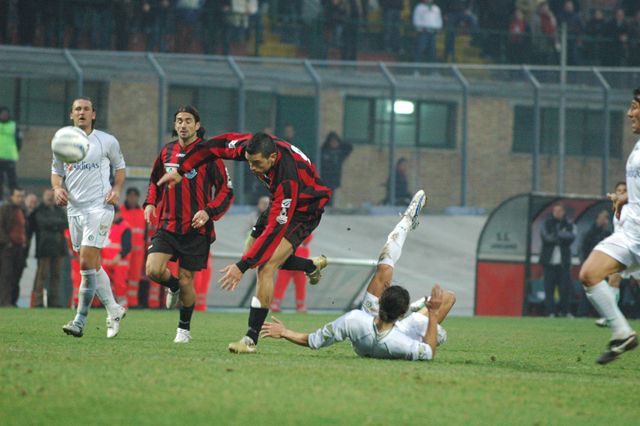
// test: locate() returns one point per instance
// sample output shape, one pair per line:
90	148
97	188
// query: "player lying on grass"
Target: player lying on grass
378	329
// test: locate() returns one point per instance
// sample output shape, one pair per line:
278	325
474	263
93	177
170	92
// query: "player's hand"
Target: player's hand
149	211
171	178
231	277
113	198
61	196
199	219
435	301
275	329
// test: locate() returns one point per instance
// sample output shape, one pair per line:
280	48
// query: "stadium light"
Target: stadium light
403	107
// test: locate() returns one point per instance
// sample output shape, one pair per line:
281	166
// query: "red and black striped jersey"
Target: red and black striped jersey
179	204
296	189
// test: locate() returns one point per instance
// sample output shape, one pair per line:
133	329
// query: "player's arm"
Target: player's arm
113	197
277	330
154	194
223	195
434	303
60	194
281	211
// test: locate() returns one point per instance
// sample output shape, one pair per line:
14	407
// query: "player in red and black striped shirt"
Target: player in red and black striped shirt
298	197
186	215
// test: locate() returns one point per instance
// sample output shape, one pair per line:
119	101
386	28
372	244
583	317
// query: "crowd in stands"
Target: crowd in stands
603	32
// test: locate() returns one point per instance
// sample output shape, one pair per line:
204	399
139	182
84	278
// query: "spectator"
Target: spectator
289	133
13	247
10	144
519	41
101	22
458	11
355	15
595	31
557	234
124	12
216	36
545	35
335	15
617	35
48	221
575	32
599	231
30	202
299	279
187	24
634	41
334	151
403	195
427	21
391	14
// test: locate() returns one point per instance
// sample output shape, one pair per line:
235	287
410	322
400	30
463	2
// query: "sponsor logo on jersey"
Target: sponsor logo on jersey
282	217
633	173
191	174
82	165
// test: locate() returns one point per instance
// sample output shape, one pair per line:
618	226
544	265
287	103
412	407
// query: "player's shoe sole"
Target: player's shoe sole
617	348
320	262
416	205
172	299
243	346
113	324
72	329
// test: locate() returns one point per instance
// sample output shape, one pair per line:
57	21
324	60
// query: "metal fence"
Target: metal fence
600	89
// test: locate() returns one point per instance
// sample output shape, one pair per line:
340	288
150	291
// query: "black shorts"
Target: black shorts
190	250
301	226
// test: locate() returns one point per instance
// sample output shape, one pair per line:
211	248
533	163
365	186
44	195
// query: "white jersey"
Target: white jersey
359	327
87	181
631	221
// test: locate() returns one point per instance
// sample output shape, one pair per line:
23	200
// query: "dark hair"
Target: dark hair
261	143
16	188
190	109
622	182
133	190
3	109
331	135
394	303
636	94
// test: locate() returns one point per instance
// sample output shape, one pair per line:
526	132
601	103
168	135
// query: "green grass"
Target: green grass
491	371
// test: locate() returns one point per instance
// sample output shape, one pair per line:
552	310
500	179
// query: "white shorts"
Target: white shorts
413	325
618	247
90	229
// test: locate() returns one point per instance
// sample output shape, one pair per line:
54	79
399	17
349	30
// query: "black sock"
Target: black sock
185	317
173	284
256	319
297	263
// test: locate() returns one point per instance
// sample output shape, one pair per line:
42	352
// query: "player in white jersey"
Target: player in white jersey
614	279
85	189
378	329
618	252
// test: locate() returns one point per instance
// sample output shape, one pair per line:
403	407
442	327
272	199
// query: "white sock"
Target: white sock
85	296
392	249
103	289
616	293
602	299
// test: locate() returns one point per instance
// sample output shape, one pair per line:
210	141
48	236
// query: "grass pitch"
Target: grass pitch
491	371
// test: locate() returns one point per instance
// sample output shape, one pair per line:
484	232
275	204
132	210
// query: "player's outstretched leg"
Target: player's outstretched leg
392	249
592	274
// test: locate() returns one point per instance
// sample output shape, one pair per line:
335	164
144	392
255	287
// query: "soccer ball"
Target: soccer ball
70	144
